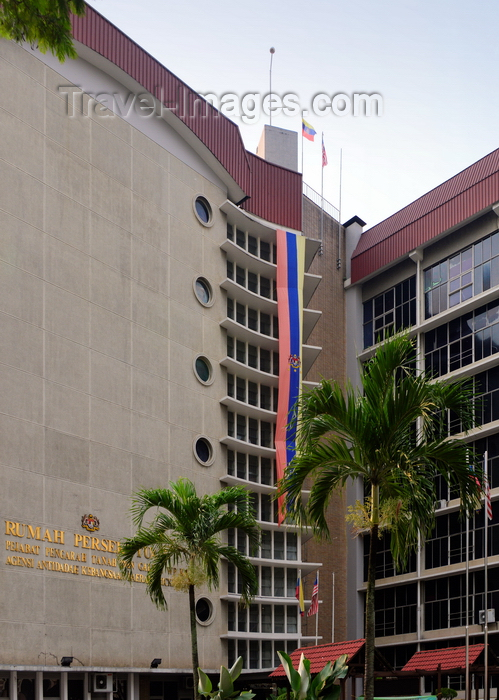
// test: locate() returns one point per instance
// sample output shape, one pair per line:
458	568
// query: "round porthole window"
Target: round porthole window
204	451
203	210
203	291
204	611
203	369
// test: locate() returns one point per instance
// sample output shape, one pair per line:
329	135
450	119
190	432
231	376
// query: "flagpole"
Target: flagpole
486	587
272	52
322	196
302	147
317	614
299	612
332	614
467	593
338	261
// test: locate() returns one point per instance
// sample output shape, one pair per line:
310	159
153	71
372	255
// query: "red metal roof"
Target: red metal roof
464	195
320	655
273	190
450	658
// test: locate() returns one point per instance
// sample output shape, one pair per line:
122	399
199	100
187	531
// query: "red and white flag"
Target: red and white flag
314	603
488	502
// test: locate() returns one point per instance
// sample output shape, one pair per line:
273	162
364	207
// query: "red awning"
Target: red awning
450	658
320	655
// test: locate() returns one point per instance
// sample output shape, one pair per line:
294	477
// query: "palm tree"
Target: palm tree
186	532
391	433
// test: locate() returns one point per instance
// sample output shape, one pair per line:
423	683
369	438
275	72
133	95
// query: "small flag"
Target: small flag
307	130
314	603
488	502
299	595
324	156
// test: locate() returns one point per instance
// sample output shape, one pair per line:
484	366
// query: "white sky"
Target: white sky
433	61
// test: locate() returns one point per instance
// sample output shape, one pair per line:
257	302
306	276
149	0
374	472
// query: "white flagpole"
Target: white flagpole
272	52
302	147
486	587
467	593
302	177
317	614
322	195
300	622
332	613
338	261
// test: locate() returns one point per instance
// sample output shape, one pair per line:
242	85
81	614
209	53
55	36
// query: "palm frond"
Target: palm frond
185	531
389	433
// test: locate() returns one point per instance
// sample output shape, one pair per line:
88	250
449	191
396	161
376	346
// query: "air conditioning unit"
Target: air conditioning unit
103	683
440	504
491	616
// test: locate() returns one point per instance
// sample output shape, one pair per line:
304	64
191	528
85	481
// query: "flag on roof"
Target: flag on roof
314	603
324	156
299	594
307	130
488	502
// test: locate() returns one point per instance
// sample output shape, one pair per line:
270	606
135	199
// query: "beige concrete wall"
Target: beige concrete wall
99	328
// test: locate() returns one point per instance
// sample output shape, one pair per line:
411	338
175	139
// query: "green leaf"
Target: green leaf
304	674
340	667
332	694
320	679
42	23
204	685
288	667
226	685
235	671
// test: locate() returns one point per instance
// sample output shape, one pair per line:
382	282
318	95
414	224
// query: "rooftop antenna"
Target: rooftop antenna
272	52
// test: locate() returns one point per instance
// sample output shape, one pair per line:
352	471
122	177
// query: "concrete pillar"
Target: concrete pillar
13	685
39	685
86	686
63	690
130	688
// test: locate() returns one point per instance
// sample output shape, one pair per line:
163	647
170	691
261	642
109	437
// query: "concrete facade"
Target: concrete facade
102	254
101	327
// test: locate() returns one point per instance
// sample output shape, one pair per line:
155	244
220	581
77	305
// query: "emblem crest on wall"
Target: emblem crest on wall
90	522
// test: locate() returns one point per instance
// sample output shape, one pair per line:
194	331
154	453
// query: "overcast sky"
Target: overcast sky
434	63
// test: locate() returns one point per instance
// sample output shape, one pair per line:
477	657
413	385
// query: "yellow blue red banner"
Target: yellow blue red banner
290	275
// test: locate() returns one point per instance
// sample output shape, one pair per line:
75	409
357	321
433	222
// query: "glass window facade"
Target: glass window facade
445	600
389	312
461	276
384	560
462	341
396	610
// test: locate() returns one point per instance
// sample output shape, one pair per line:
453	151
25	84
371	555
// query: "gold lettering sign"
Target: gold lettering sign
64	560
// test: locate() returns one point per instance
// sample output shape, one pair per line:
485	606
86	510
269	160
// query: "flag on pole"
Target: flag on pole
314	603
324	155
299	594
488	502
307	130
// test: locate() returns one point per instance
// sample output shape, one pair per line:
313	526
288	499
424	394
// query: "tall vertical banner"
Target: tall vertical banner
290	275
